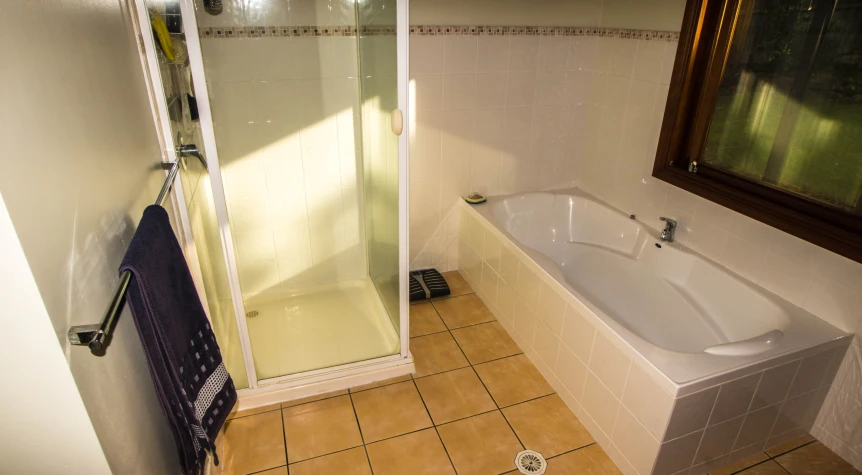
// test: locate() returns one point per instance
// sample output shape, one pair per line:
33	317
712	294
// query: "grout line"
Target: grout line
368	458
531	400
356	417
434	426
266	469
791	450
378	387
255	414
316	400
325	455
284	435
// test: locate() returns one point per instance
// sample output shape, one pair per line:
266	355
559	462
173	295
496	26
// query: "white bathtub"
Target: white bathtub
673	364
688	316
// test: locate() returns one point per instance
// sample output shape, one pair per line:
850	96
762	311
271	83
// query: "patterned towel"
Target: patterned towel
195	391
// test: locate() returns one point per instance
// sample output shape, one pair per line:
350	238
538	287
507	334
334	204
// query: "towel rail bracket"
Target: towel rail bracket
95	335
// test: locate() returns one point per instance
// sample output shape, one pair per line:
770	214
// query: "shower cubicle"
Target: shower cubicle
296	234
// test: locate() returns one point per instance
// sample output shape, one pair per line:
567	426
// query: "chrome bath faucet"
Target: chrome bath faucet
669	229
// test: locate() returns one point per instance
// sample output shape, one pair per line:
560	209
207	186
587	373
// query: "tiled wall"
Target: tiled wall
285	111
512	113
647	15
645	422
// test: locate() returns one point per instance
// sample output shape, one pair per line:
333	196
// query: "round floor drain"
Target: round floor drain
252	314
530	462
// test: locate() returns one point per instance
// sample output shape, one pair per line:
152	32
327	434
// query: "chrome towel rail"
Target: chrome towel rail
94	335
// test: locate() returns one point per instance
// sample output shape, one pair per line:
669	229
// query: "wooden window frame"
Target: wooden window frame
704	46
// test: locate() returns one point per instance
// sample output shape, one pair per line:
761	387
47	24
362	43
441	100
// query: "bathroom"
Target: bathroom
337	143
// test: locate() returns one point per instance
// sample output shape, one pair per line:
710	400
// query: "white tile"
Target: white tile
509	266
835	303
553	53
493	53
600	404
708	240
429	91
426	54
571	372
525	322
491	89
811	373
489	283
718	440
610	365
578	334
647	401
785	278
744	258
256	246
547	345
678	454
528	286
638	446
521	89
518	123
459	91
691	413
491	249
552	308
734	398
668	63
523	53
272	59
648	60
623	58
229	60
459	54
756	426
250	214
774	385
292	241
752	231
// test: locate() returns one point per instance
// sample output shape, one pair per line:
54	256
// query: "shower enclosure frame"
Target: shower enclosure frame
356	372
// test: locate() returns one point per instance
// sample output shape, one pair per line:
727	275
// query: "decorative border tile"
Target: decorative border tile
434	30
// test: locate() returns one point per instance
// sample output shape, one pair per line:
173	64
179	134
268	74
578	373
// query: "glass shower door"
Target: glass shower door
300	99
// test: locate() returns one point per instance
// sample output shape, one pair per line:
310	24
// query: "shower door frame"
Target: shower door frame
258	386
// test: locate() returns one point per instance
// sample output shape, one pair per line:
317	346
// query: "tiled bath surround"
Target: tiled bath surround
645	422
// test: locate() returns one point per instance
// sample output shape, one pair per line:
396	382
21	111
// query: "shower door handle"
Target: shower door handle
397	121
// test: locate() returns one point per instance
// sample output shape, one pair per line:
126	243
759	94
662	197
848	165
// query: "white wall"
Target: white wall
45	426
76	171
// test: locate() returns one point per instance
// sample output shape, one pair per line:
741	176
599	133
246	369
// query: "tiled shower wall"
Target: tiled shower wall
285	111
503	114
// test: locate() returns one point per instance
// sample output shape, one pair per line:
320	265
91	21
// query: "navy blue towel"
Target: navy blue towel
195	391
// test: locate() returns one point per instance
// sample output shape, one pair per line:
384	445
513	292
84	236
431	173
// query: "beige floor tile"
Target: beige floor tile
485	342
378	384
480	445
274	471
454	395
547	426
457	284
424	320
250	412
320	428
513	380
749	461
590	460
389	411
348	462
253	443
436	353
419	453
317	397
815	459
462	311
769	468
791	444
